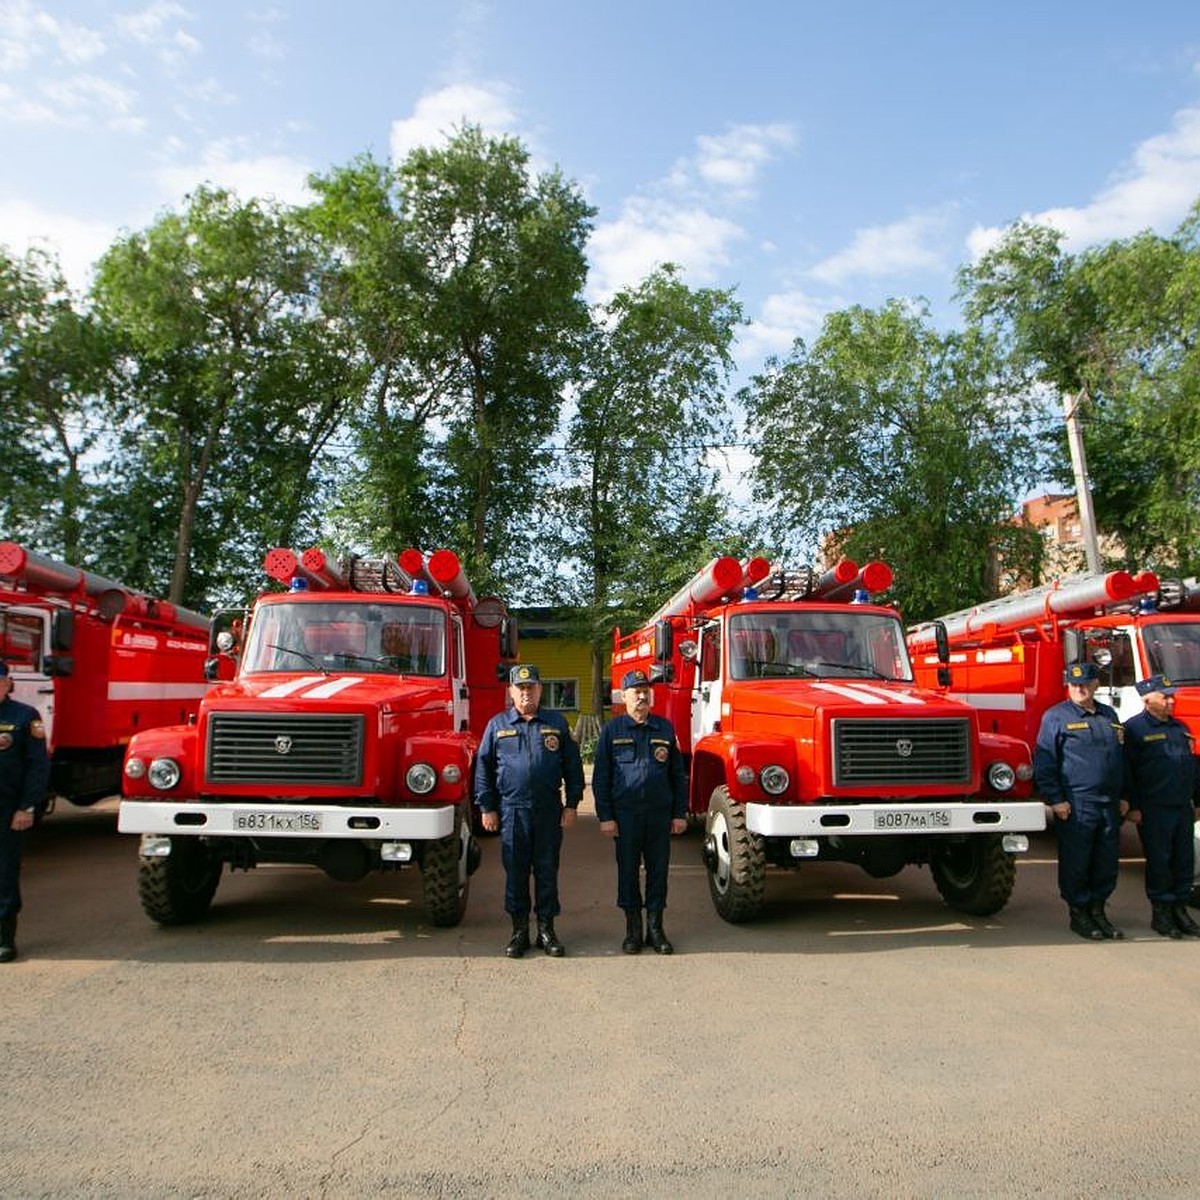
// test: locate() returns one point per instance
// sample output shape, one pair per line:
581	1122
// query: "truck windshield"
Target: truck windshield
817	644
405	639
1173	649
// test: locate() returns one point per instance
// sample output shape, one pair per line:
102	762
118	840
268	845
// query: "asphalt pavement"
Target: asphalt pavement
313	1039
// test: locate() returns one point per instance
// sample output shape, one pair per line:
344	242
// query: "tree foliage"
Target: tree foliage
1117	323
462	275
890	440
638	509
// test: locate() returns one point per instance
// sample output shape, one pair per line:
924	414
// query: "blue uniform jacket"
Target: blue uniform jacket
638	766
24	764
523	764
1163	771
1079	757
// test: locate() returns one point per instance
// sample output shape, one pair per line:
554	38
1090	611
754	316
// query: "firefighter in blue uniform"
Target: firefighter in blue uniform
1079	766
526	758
641	800
1164	780
24	773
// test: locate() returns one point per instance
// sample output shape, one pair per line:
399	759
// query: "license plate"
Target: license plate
914	818
284	822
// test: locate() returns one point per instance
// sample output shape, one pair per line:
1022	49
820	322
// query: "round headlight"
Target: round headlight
774	780
745	775
1001	777
452	772
135	768
421	778
164	774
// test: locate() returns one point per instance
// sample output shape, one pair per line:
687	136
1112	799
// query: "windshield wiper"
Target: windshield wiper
308	658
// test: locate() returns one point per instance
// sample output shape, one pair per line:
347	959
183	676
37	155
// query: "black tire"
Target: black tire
446	871
735	858
975	875
179	888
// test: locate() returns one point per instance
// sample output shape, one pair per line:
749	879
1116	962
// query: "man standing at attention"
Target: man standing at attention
24	773
1079	768
526	757
1163	782
641	800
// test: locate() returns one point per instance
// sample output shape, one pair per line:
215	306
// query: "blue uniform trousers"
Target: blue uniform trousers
10	868
1089	843
531	840
643	836
1166	833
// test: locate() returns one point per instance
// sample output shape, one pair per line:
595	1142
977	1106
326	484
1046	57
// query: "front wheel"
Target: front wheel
975	875
735	858
447	869
178	888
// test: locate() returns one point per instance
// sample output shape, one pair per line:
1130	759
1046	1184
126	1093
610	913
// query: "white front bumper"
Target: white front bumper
829	820
235	819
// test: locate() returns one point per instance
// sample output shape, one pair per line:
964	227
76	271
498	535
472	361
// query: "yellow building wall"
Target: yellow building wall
562	658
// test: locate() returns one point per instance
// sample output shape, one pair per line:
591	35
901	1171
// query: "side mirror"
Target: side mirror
943	677
941	640
664	641
508	639
1072	643
62	629
58	666
662	673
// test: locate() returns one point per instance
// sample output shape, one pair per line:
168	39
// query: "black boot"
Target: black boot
519	942
1102	922
1082	924
1184	922
1162	921
8	939
655	938
633	931
548	939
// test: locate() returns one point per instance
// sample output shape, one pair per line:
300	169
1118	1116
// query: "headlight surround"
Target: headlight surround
421	778
164	774
1001	777
774	779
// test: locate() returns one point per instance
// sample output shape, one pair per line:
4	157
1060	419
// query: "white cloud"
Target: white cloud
438	114
651	232
76	243
225	165
882	250
783	318
78	99
28	33
156	28
734	160
1154	192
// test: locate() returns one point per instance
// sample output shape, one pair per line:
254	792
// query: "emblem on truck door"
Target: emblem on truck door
283	744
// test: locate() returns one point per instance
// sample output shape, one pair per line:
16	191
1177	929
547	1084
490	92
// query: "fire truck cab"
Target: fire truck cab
806	738
344	740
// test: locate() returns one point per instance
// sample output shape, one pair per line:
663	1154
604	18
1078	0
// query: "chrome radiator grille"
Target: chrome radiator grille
285	748
904	752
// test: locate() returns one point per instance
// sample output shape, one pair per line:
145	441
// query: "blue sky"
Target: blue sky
810	155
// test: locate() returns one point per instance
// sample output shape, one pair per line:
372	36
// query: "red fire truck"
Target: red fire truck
344	737
98	661
807	738
1006	657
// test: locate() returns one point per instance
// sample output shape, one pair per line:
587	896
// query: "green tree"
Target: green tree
638	509
53	362
890	440
462	275
1118	323
231	384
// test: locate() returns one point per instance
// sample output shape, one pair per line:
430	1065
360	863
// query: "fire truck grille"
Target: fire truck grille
271	748
903	752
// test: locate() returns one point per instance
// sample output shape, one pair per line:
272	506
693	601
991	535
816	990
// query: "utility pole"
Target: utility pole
1083	491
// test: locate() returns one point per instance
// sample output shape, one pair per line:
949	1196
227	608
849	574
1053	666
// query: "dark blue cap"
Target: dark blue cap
1156	683
1084	672
523	673
632	679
